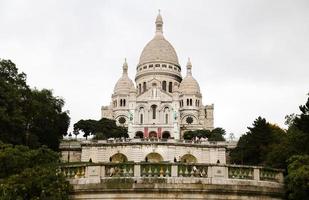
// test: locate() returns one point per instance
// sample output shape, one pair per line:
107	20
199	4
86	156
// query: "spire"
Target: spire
189	68
159	23
125	67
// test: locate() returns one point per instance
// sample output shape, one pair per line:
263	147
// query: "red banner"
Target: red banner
145	132
159	132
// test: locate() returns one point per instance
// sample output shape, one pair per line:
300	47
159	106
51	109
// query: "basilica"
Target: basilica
161	103
156	162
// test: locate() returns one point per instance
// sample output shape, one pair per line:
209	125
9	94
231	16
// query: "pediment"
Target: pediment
155	94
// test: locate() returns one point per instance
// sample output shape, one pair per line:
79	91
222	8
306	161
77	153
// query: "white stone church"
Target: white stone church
163	104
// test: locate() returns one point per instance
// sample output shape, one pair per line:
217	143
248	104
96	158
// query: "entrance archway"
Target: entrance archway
166	135
188	158
154	158
118	158
153	134
139	134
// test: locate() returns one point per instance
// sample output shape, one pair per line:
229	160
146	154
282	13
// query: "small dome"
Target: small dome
124	85
189	85
159	49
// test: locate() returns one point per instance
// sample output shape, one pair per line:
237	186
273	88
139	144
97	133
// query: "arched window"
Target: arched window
187	102
140	88
164	85
120	102
166	118
144	86
139	134
124	102
141	119
166	135
154	111
190	102
170	87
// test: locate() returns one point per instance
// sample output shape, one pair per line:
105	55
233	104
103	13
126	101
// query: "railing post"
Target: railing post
137	170
102	174
280	177
256	174
86	172
209	171
174	171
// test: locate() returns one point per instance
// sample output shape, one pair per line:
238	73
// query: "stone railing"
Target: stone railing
99	171
155	169
229	144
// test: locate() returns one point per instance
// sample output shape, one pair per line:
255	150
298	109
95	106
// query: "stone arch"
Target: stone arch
118	158
153	134
188	158
166	134
154	158
139	134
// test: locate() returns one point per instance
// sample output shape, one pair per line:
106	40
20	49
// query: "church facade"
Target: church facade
161	103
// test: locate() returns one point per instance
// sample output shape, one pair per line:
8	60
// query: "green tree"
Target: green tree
31	174
101	129
14	94
294	142
253	147
216	134
29	117
297	180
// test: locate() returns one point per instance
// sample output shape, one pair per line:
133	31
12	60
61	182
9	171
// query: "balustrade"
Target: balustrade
155	170
191	170
175	170
73	171
268	175
240	173
119	170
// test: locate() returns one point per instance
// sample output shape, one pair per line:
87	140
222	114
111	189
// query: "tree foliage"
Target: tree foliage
29	117
214	135
266	144
297	180
253	146
31	174
101	129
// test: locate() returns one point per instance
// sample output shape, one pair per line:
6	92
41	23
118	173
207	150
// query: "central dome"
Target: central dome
159	49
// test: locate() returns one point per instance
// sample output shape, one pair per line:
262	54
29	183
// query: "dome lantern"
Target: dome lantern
189	85
189	68
159	24
124	85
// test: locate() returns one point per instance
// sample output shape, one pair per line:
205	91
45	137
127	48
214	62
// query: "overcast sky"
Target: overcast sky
250	57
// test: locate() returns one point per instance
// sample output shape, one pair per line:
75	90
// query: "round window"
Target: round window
122	120
189	120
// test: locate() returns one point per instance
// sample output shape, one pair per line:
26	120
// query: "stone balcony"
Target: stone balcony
200	181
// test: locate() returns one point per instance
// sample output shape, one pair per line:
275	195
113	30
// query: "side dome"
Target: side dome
124	85
159	49
189	85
